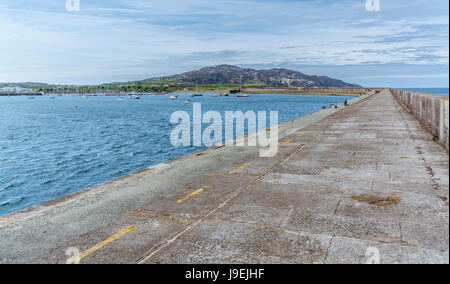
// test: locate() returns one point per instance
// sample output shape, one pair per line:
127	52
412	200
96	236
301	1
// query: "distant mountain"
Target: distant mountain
227	74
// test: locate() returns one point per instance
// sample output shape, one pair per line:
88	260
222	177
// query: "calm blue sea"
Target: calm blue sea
435	91
49	148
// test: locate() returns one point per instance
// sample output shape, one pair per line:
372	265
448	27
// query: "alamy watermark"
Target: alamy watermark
74	255
374	256
373	5
73	5
212	135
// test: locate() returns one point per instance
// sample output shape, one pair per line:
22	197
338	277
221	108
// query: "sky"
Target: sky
405	44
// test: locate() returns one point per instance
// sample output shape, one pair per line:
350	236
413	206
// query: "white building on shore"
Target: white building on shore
17	90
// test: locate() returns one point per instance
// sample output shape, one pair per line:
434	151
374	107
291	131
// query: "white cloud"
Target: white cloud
120	39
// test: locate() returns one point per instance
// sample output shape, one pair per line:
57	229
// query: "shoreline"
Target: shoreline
155	168
92	187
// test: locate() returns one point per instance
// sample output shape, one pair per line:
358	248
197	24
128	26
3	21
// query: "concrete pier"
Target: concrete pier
364	183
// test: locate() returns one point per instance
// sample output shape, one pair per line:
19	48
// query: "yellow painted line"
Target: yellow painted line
238	169
286	142
301	134
189	196
104	243
311	128
405	158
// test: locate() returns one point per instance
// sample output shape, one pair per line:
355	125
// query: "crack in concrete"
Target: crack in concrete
328	249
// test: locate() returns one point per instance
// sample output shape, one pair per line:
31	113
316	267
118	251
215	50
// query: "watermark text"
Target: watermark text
373	5
235	122
73	5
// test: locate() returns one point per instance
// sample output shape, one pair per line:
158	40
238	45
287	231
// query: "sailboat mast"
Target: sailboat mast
240	85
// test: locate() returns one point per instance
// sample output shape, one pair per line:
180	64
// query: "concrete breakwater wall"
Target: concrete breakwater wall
356	92
314	91
431	110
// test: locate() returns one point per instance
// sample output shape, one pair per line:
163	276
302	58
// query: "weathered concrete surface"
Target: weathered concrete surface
431	110
362	182
347	186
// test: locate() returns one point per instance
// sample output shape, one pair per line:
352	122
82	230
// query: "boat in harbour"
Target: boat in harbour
134	96
196	94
